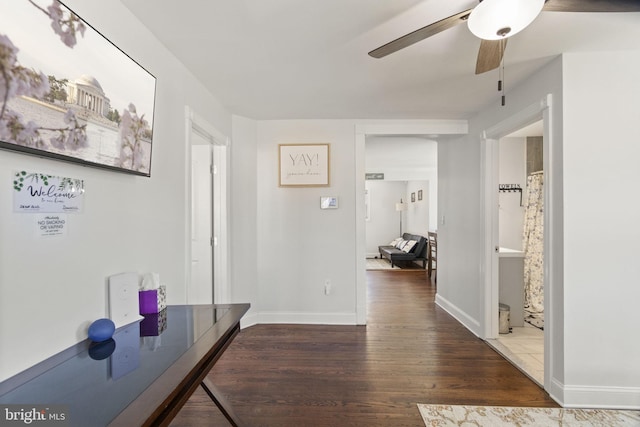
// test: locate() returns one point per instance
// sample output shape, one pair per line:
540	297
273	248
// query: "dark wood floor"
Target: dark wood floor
410	352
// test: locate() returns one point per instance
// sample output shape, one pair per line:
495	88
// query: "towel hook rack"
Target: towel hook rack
511	188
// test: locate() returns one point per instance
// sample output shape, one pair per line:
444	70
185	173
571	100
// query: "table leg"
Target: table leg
220	402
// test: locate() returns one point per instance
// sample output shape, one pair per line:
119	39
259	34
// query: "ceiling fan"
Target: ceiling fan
489	15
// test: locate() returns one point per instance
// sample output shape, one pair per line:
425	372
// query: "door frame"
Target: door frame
489	140
194	123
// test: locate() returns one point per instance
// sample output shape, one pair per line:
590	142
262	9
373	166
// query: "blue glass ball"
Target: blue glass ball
101	330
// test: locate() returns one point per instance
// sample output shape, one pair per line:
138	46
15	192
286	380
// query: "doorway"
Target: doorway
497	256
520	240
401	190
433	129
206	214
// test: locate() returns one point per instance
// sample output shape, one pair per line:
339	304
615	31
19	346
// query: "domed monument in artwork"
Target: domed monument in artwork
86	92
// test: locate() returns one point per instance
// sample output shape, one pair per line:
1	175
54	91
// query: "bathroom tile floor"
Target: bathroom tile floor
524	347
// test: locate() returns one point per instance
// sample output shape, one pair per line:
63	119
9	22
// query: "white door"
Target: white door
201	287
207	212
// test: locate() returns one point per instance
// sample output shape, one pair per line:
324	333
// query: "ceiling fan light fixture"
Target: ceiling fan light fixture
498	19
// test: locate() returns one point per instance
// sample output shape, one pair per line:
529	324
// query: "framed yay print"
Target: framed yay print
303	165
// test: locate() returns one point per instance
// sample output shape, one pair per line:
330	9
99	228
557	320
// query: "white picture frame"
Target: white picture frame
303	165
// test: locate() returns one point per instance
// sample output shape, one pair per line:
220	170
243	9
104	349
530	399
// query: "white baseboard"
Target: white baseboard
555	389
602	397
248	319
307	318
470	323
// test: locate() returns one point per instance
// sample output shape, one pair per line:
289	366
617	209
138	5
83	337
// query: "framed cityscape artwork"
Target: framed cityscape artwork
68	93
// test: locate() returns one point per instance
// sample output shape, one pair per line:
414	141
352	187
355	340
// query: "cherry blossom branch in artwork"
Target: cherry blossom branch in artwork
66	25
133	129
72	137
17	80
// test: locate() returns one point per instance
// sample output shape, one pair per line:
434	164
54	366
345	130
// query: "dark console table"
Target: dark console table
142	378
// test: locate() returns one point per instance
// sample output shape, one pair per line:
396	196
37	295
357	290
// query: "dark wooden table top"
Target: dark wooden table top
141	378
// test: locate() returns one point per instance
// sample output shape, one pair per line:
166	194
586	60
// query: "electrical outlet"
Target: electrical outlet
327	287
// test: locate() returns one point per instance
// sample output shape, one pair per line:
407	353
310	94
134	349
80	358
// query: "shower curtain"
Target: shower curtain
532	242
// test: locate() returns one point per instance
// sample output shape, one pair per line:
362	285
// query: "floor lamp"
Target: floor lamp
400	207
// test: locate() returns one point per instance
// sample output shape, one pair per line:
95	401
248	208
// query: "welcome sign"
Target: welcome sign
40	193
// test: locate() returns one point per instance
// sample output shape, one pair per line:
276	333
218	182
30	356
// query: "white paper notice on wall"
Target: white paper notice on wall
51	225
123	299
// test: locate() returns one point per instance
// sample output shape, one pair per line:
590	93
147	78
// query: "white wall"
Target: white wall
512	161
300	246
384	221
417	213
459	230
407	158
461	287
51	289
601	233
591	310
244	219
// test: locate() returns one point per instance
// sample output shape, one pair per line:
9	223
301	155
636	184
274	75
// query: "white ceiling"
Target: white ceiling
295	59
534	129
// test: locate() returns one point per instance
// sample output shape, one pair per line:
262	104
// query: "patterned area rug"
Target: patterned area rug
496	416
380	264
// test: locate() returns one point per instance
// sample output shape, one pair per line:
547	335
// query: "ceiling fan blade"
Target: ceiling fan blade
490	55
592	6
420	34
